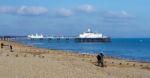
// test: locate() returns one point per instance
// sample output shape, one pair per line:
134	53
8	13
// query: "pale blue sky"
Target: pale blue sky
115	18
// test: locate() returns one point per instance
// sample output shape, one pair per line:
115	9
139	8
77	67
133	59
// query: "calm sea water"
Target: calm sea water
128	48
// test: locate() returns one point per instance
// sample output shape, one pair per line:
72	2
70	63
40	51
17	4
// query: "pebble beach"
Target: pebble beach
32	62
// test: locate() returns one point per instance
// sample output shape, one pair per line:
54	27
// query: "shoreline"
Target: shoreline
49	60
106	56
75	53
88	54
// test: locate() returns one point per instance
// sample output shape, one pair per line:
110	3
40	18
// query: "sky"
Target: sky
114	18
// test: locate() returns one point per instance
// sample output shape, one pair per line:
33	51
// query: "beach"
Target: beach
32	62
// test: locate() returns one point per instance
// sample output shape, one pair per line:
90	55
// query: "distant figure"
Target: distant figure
100	58
11	48
2	45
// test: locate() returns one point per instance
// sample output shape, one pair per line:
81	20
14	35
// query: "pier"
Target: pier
88	36
76	39
58	38
53	38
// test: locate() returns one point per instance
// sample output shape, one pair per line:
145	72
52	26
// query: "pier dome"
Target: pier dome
90	34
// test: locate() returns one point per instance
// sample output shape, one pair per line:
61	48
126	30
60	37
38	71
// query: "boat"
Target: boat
90	36
36	36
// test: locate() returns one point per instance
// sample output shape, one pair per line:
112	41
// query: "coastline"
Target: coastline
106	56
83	61
51	51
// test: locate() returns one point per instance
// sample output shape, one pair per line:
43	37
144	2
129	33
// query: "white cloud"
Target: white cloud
64	12
117	17
32	10
121	14
24	10
86	8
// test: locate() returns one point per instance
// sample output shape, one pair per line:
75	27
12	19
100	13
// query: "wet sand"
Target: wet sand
32	62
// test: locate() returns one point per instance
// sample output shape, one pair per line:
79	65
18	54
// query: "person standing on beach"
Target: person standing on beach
11	48
100	58
2	45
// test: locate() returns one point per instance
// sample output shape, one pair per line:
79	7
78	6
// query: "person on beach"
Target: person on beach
11	48
100	58
2	45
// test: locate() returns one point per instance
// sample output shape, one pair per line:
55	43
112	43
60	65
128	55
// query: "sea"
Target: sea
135	49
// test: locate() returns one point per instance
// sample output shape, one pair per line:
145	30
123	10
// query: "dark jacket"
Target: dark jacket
98	57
